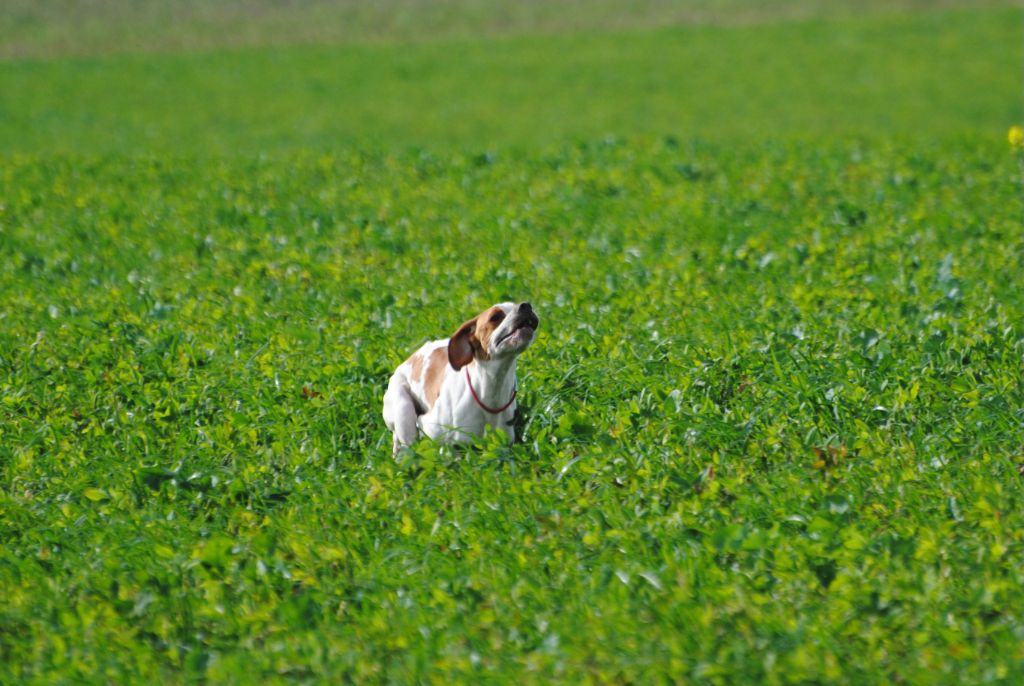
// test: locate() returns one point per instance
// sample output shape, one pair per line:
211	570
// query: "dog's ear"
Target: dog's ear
461	345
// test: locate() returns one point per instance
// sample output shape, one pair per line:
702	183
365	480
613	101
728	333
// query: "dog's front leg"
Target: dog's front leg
400	413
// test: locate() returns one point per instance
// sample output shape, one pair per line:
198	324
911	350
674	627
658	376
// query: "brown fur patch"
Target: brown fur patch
483	330
416	367
435	374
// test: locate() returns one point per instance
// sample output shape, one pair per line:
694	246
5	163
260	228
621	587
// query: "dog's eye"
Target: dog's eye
497	317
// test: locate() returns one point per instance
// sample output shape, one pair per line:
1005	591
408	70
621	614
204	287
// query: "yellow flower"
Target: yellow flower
1016	137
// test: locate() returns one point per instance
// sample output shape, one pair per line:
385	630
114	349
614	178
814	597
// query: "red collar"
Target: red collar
480	403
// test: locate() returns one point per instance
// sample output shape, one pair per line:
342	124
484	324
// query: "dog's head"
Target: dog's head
504	330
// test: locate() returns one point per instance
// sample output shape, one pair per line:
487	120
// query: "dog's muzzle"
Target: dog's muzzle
525	318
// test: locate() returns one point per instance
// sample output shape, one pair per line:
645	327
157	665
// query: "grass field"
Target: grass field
773	422
919	75
59	28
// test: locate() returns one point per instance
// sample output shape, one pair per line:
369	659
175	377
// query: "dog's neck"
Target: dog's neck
493	380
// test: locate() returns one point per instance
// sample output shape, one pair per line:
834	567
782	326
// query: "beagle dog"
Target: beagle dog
453	389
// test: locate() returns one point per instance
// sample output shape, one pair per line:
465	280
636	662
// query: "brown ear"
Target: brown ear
460	345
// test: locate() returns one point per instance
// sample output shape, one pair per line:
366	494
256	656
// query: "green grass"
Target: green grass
59	28
923	75
773	426
773	434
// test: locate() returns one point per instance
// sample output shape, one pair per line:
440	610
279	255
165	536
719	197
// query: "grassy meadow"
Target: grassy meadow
773	423
919	74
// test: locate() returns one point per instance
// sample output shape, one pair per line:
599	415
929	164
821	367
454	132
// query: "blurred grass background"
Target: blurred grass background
268	76
55	28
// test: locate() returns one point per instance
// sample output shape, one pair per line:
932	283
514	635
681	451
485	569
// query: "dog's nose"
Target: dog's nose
527	317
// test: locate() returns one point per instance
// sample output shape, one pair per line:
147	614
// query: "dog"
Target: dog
451	390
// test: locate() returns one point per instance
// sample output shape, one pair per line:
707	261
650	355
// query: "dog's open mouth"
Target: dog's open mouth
526	324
